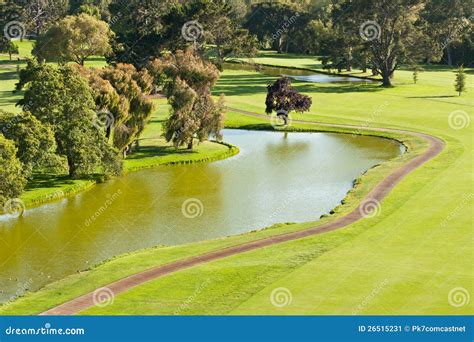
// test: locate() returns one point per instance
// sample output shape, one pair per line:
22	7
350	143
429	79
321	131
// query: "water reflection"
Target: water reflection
277	177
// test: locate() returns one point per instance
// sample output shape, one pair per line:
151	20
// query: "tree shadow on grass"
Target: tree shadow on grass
431	97
42	181
254	127
157	151
8	75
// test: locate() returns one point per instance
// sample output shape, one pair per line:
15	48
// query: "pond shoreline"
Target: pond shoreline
75	189
381	190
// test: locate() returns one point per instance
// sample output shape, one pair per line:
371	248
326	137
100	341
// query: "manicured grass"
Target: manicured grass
153	151
404	261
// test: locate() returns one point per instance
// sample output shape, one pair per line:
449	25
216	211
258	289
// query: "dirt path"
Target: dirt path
377	194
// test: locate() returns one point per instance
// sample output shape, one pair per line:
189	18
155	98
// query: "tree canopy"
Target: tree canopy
187	81
74	38
61	98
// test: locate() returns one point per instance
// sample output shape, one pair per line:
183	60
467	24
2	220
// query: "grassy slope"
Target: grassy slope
404	261
154	149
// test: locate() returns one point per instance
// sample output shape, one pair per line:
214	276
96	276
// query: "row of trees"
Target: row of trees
379	35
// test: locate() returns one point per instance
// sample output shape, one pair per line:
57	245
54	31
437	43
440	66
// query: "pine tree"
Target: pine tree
460	84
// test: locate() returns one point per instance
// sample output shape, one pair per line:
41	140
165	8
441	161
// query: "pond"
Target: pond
300	75
277	177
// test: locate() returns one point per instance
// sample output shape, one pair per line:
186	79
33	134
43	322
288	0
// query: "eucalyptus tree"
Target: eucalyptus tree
74	38
187	81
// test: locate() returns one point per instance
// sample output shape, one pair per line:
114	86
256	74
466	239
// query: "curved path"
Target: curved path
377	194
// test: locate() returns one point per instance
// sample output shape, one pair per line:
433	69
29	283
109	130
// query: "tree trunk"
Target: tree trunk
449	55
387	78
71	167
190	144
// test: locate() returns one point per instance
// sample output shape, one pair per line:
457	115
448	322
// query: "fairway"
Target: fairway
366	268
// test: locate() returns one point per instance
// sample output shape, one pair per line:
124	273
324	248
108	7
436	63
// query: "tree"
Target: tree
7	46
188	81
39	15
416	70
12	178
283	98
449	24
74	38
139	33
134	109
35	143
460	83
392	31
148	28
62	99
275	24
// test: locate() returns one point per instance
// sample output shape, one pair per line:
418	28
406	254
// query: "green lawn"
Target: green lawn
404	261
154	150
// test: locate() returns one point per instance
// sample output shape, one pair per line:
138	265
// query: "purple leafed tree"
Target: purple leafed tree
283	98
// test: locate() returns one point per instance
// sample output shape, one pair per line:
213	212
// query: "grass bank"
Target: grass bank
406	260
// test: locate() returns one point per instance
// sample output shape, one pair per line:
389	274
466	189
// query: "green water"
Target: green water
277	177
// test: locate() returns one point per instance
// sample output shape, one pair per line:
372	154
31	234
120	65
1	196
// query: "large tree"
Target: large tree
12	178
277	24
149	27
74	38
393	31
188	80
34	140
61	98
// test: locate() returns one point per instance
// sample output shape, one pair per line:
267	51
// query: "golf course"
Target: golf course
392	234
242	170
